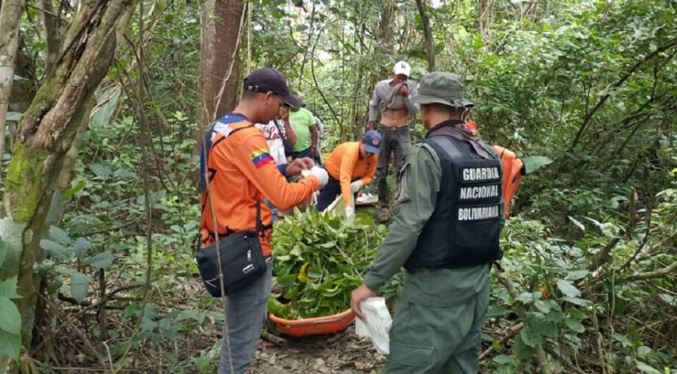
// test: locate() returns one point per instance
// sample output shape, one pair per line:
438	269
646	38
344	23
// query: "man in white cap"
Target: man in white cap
391	99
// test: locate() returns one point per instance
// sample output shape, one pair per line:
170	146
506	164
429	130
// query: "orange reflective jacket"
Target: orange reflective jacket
241	173
513	169
512	174
344	164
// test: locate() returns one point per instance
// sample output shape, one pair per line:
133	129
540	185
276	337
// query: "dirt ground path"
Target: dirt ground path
343	353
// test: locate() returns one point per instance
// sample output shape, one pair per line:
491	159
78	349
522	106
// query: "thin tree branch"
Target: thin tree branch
604	255
146	193
647	214
660	273
586	121
77	331
317	86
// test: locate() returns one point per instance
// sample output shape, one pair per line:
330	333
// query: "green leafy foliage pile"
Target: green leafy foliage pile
319	260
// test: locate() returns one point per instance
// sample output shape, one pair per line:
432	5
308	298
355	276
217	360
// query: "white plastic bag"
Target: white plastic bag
377	324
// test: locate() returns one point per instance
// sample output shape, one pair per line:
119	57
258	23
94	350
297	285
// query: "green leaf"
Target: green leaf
575	325
497	311
577	314
625	342
101	171
8	288
543	306
646	368
82	246
102	116
643	351
533	163
522	350
10	344
54	249
102	261
10	319
567	288
667	298
530	336
74	190
191	314
577	274
79	286
502	359
555	316
577	301
59	235
529	297
55	284
577	223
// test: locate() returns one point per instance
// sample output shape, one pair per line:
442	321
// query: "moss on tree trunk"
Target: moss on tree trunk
48	131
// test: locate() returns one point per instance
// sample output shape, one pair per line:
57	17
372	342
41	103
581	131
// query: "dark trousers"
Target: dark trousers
329	192
395	142
306	153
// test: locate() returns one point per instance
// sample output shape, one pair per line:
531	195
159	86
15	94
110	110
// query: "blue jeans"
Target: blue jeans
306	153
245	313
300	154
330	192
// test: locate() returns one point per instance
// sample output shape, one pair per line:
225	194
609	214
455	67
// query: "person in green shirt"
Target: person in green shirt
304	125
448	218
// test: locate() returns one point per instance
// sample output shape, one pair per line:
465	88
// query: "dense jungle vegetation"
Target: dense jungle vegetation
104	103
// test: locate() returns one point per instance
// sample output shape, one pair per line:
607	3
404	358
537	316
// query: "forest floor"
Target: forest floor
342	353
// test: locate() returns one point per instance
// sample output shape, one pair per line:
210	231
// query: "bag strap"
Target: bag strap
478	145
259	223
207	152
283	136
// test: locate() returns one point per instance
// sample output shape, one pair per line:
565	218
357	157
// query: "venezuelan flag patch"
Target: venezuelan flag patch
260	157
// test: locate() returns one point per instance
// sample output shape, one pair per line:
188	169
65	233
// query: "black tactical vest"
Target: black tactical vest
465	227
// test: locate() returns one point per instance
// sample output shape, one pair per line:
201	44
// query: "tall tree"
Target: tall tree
10	15
221	28
427	32
387	33
48	133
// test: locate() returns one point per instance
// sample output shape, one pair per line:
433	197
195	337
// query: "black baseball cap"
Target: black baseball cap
269	79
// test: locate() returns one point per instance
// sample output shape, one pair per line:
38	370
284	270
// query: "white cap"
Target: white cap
402	67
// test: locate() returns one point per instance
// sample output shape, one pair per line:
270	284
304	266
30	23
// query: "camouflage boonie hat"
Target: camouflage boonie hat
442	88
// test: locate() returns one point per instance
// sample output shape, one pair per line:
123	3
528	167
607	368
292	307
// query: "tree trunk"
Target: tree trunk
10	16
51	36
221	24
429	45
43	152
386	46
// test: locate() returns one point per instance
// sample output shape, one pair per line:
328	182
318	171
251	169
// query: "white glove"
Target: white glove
355	186
320	174
349	211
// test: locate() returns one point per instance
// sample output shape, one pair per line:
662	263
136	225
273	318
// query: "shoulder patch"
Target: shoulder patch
260	157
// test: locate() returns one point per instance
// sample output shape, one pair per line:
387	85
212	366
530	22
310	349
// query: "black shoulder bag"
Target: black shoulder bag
288	147
242	260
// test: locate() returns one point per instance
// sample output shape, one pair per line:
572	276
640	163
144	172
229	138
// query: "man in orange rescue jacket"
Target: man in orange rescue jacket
241	173
351	166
